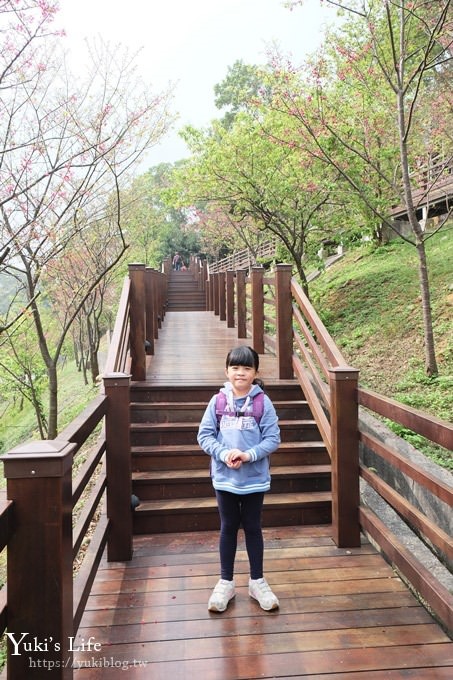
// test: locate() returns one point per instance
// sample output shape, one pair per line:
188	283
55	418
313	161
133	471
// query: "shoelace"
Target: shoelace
263	586
221	588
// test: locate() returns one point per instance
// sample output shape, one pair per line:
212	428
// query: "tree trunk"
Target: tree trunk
430	354
53	400
93	344
303	278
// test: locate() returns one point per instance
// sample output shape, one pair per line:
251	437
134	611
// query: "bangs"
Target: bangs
243	356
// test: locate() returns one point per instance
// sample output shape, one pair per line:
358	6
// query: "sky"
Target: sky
191	44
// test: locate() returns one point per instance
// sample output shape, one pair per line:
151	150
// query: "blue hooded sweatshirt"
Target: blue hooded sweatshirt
240	430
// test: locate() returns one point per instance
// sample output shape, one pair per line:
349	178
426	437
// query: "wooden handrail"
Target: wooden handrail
6	530
434	429
428	481
6	520
119	344
423	582
330	349
414	517
243	259
78	431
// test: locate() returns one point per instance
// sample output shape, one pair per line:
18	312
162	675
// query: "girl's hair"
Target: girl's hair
244	356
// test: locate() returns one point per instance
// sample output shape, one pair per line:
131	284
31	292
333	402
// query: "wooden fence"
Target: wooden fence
275	314
244	259
70	497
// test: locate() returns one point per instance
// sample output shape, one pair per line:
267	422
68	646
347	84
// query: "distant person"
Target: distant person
177	262
239	430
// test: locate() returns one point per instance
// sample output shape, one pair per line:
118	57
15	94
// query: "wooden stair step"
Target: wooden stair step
163	427
178	449
174	405
182	505
195	514
147	393
168	411
195	483
300	470
170	476
172	426
158	476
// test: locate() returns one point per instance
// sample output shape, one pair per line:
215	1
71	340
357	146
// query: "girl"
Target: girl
240	438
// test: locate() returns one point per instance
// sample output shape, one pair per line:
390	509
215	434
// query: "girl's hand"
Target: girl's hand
236	457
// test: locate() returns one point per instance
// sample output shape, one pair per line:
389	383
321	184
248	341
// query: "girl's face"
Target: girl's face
241	378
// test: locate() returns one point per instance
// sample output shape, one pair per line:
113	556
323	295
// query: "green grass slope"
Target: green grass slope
18	426
370	302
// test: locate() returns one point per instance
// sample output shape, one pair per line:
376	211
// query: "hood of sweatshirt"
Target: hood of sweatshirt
227	389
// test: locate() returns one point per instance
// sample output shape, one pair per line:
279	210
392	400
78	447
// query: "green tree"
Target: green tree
394	54
241	85
253	176
67	146
155	227
23	377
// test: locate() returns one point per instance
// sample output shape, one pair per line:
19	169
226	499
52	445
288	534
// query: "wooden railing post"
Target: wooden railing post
222	296
118	463
137	321
257	275
215	293
157	301
284	315
40	581
208	293
343	382
163	288
151	311
230	298
241	303
204	274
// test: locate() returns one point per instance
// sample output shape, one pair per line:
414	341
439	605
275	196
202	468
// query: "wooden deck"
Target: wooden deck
344	614
192	349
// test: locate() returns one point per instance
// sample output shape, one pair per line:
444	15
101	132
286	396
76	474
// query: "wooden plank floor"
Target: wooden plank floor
344	613
192	348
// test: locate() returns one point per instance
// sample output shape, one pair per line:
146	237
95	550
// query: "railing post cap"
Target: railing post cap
283	266
343	372
136	265
41	458
116	379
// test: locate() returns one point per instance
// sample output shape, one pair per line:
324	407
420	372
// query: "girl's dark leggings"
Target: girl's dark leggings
236	510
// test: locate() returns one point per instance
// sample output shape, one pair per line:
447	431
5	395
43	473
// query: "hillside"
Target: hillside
370	303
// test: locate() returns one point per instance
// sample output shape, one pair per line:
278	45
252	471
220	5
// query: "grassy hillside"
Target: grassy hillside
20	426
370	302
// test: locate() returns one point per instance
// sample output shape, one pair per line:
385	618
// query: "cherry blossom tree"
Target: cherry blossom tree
68	145
396	62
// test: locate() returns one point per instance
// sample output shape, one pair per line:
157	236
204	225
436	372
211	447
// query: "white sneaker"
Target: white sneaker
261	591
221	595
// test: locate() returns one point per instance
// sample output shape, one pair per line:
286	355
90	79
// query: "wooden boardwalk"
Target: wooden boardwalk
344	614
192	349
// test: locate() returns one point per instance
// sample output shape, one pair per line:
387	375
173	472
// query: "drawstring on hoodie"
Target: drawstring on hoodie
231	405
